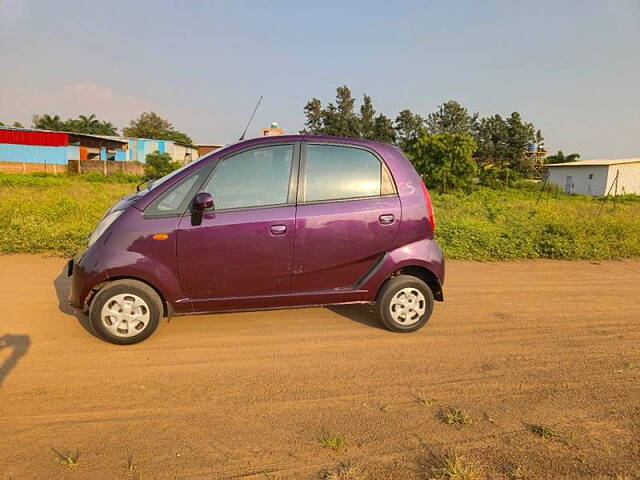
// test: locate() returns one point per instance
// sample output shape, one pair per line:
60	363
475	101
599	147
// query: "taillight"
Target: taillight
430	216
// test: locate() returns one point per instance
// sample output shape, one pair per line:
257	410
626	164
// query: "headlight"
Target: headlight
102	226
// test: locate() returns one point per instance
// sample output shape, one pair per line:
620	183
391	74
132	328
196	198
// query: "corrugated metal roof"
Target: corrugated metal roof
601	161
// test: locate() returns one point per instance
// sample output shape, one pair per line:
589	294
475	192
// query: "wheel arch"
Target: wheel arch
424	274
166	306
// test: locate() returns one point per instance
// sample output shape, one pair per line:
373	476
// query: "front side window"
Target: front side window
253	178
335	173
175	201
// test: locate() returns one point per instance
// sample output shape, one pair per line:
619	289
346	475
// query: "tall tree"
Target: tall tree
367	118
315	122
409	126
341	119
346	120
152	125
90	125
383	130
445	162
492	140
560	157
451	117
519	135
48	122
17	124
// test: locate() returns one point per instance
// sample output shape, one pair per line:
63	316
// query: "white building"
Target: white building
597	177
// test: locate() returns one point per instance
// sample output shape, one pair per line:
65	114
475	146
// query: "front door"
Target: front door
348	216
568	186
241	254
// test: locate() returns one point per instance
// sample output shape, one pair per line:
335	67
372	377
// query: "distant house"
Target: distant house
137	149
597	177
204	148
96	147
28	149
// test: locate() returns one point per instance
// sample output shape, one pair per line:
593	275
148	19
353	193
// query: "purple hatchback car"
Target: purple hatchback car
271	222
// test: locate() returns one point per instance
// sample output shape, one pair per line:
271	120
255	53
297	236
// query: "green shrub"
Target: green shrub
48	213
158	165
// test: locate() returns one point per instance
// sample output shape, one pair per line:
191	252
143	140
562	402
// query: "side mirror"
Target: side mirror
201	202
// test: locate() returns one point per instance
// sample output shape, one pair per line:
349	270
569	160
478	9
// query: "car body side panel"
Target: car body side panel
337	242
128	250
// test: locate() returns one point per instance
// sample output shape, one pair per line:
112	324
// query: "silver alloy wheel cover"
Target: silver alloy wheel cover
125	315
407	306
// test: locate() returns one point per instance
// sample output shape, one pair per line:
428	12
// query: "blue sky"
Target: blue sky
570	67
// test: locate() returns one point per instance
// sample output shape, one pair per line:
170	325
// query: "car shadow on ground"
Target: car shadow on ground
19	345
364	314
62	284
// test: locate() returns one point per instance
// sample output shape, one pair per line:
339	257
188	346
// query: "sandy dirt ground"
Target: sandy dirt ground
248	395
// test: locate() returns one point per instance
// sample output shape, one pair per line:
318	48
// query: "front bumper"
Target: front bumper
83	280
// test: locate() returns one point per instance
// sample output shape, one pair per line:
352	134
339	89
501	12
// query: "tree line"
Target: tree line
450	147
146	125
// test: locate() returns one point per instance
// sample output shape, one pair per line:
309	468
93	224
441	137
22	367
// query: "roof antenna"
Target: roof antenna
250	119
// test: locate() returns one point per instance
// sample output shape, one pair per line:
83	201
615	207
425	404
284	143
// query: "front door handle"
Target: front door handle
278	229
386	219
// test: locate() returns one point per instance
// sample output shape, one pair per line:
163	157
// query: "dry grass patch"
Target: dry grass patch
344	471
455	467
333	442
68	458
425	400
455	416
543	431
133	469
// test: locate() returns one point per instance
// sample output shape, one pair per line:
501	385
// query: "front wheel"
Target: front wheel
125	312
404	304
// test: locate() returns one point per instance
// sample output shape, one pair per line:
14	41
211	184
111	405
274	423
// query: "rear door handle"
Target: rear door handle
278	229
386	219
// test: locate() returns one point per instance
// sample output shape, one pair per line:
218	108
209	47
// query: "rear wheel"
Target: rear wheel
404	303
125	312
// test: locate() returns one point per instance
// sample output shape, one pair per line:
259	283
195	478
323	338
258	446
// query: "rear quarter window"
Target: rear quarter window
335	172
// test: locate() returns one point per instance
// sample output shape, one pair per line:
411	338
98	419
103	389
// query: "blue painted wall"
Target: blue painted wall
10	152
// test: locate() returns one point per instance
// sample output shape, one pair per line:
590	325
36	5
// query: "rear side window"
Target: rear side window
336	173
253	178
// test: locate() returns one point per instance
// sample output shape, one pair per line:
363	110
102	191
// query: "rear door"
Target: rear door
242	252
347	217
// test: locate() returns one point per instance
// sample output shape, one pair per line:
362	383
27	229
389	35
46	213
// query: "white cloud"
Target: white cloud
70	101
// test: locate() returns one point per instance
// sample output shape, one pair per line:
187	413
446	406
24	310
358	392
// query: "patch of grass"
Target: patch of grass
627	366
515	472
56	213
68	458
52	214
332	441
455	416
454	467
344	471
425	400
133	469
511	224
543	431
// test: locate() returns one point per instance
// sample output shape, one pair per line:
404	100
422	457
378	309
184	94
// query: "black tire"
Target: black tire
392	287
126	287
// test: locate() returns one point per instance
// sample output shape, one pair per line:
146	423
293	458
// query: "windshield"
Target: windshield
151	184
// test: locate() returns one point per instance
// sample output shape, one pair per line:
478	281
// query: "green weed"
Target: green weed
455	416
332	441
68	458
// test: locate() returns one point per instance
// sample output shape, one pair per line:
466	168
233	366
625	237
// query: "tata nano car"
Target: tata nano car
267	223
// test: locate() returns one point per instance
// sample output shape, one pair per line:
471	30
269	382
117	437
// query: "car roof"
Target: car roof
314	138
